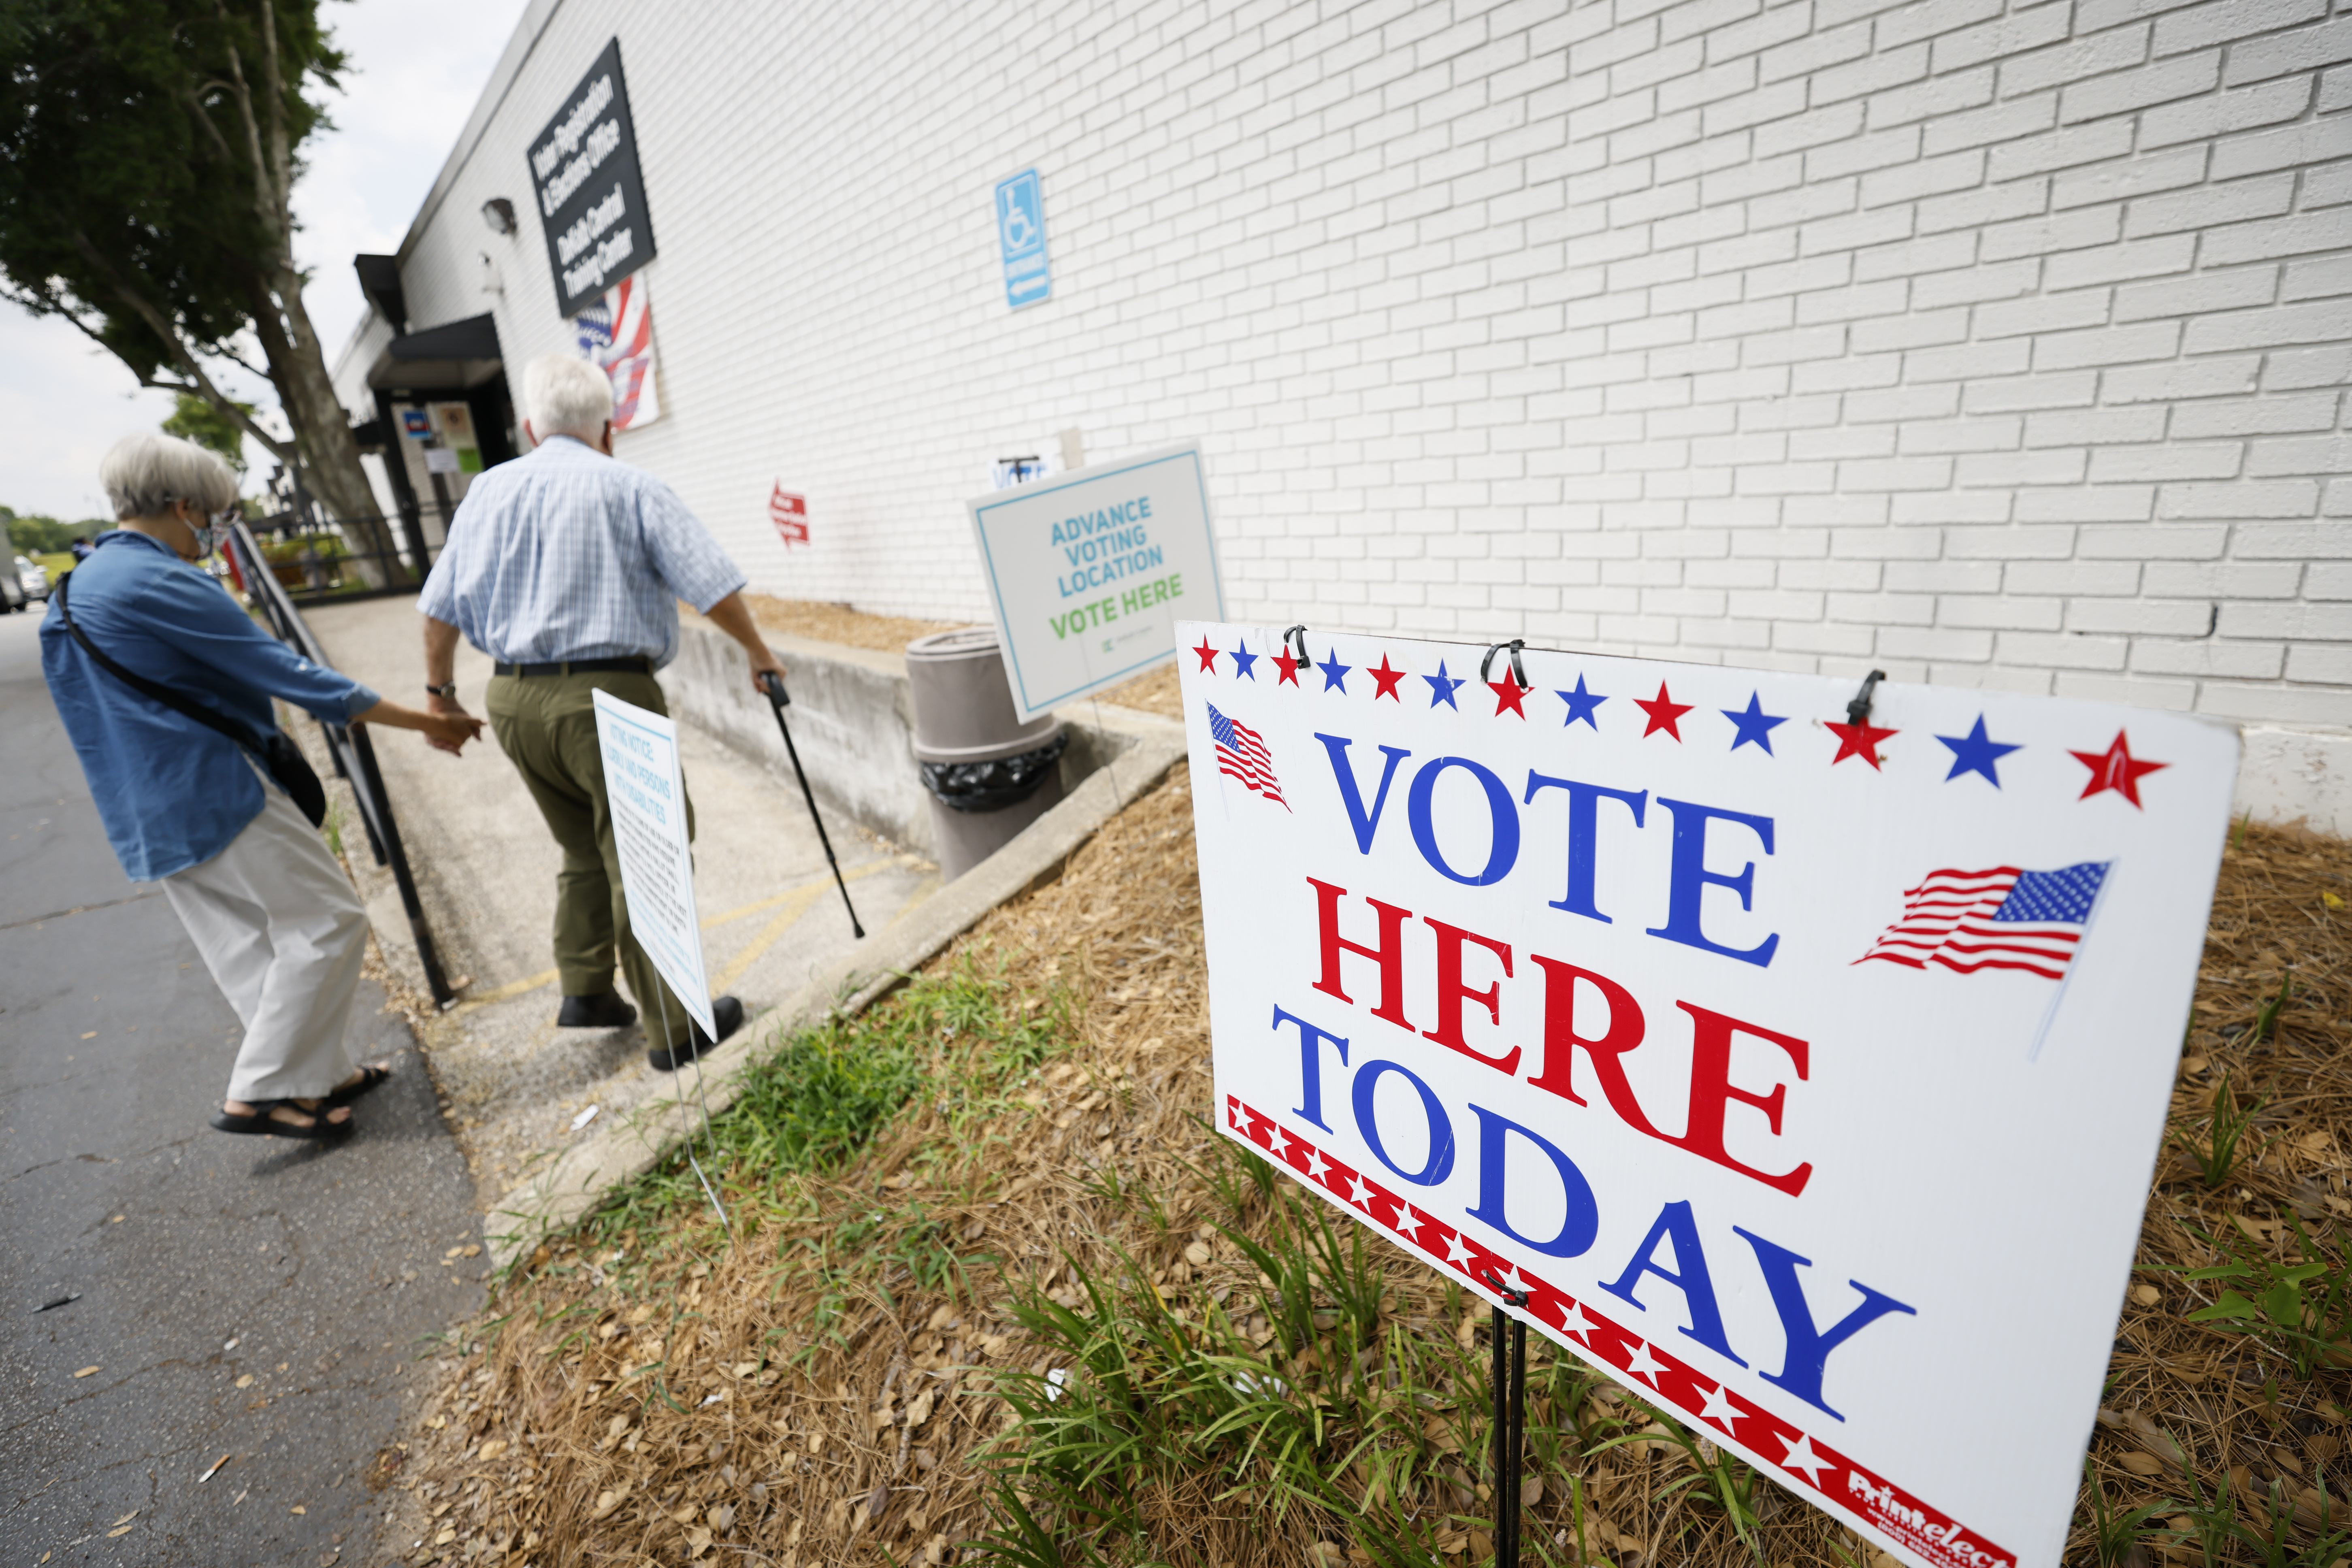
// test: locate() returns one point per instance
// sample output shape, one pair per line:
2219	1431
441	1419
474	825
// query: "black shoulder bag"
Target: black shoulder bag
279	755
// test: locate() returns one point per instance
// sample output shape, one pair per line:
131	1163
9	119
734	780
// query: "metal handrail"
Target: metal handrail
353	752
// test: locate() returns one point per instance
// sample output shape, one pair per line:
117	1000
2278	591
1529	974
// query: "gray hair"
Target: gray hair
144	473
567	396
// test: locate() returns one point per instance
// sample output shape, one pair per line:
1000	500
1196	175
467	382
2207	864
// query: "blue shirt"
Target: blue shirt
568	554
172	793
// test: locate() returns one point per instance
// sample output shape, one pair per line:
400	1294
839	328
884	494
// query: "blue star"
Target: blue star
1243	659
1441	689
1754	724
1581	704
1335	674
1973	753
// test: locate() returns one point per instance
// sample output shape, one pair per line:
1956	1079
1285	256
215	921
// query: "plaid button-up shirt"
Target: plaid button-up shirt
567	553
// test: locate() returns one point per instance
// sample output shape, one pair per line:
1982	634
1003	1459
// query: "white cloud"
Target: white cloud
417	67
63	402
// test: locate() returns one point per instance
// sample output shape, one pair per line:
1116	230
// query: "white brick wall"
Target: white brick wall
1998	344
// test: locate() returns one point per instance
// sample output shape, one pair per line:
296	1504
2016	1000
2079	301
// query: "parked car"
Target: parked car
13	597
33	577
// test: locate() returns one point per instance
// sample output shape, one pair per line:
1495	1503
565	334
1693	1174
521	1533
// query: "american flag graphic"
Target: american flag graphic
1242	755
2000	918
616	335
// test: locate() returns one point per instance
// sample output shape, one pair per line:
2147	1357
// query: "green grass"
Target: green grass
1319	1403
2300	1311
2224	1132
963	1039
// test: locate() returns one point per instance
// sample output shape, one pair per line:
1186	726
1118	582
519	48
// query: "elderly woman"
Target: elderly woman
192	809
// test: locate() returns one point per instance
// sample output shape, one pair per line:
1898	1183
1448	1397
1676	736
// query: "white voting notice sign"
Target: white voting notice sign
1090	571
1800	1054
647	793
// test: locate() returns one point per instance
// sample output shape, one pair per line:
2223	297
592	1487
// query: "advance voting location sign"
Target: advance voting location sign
1090	572
1805	1075
648	795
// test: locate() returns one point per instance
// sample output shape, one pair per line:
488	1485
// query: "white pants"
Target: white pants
283	934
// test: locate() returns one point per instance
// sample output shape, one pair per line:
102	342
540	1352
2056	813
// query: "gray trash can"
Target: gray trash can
987	775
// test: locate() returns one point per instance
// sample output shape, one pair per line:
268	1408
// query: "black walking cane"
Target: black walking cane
773	685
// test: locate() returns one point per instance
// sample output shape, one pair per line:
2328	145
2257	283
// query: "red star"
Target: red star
1508	695
1288	666
1857	741
1388	679
1665	713
1208	656
2115	769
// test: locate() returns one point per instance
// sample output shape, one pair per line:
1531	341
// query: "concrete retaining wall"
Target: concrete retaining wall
2296	775
853	720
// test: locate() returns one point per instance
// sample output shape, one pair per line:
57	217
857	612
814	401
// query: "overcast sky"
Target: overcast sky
417	68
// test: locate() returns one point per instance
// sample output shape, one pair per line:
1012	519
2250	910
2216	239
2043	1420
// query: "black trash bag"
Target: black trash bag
993	786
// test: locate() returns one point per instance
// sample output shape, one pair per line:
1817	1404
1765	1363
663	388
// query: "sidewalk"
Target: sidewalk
486	871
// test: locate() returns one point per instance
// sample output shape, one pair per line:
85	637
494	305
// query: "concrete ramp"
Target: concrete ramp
485	870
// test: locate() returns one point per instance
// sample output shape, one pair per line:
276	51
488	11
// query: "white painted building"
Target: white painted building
1986	343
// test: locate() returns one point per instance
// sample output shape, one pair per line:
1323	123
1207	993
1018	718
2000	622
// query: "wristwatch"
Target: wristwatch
449	691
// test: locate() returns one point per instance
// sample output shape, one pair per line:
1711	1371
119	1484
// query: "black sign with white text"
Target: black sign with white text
591	200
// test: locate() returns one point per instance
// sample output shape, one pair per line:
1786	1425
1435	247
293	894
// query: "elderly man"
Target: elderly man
565	567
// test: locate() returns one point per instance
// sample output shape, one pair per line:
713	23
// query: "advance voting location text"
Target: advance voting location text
647	793
1090	571
1806	1074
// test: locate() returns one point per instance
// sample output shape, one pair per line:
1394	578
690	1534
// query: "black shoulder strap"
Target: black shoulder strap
154	689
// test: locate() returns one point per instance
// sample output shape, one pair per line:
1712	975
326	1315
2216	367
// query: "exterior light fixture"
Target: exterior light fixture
500	213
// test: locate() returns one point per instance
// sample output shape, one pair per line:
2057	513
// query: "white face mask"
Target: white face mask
208	533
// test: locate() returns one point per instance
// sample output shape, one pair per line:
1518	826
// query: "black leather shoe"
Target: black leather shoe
727	1012
605	1012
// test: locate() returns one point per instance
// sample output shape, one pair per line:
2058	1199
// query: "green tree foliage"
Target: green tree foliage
221	434
33	534
148	155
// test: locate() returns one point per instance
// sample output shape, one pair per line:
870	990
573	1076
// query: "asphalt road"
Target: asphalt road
255	1297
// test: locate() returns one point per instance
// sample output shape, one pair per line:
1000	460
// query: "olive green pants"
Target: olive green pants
547	726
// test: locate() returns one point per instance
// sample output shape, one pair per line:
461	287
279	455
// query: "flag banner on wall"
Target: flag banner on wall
788	511
1801	1057
616	335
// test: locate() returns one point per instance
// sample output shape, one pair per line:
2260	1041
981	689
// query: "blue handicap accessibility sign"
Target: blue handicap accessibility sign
1021	231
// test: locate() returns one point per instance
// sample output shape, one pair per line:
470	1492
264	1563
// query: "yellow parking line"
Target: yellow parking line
794	902
714	922
767	935
506	991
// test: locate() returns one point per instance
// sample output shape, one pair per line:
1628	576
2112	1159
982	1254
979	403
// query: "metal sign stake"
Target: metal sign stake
669	1045
1511	1386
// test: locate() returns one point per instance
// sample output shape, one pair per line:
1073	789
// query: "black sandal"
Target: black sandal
263	1124
370	1077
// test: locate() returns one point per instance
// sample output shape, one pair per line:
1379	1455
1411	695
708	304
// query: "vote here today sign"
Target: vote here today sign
1805	1073
1090	572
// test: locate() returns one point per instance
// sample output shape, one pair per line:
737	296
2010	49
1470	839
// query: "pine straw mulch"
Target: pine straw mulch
676	1428
822	621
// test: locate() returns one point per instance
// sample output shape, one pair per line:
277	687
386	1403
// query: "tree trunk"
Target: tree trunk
330	456
306	392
